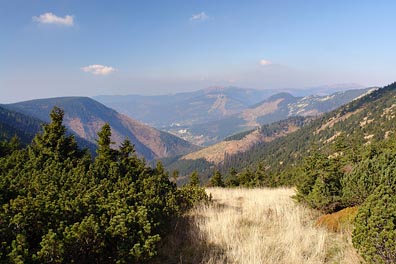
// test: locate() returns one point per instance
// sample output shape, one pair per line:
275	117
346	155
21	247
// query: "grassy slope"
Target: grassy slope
256	226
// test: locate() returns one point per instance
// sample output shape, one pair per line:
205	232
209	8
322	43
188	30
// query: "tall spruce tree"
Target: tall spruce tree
53	142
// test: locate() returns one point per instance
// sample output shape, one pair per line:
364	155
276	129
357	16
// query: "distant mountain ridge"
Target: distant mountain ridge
207	116
367	119
275	108
85	117
185	108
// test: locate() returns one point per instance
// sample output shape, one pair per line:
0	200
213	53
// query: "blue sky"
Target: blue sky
59	48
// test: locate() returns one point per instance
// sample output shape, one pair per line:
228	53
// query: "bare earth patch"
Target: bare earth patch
250	115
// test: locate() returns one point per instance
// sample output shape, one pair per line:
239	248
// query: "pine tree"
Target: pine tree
194	179
104	151
53	142
216	180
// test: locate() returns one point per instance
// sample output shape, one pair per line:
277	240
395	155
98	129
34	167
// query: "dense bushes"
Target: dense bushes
332	182
320	186
57	206
375	227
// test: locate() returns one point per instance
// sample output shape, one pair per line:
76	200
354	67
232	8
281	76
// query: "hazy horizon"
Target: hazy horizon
89	48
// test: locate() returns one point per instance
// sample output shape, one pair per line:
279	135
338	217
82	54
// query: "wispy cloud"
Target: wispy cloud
50	18
98	69
265	62
199	17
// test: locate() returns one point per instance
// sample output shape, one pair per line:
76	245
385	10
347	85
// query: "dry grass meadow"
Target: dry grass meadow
251	226
256	226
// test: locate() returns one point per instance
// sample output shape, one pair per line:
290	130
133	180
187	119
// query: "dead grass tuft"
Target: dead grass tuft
340	221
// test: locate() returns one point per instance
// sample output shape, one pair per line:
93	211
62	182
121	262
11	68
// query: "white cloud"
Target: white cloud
97	69
199	17
50	18
265	62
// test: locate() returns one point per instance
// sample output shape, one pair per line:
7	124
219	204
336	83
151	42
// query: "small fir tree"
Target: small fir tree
217	180
194	179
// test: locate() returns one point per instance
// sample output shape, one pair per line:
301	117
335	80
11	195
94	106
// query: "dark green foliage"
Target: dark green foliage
238	136
194	179
186	167
7	147
57	206
17	124
375	227
376	167
216	180
320	186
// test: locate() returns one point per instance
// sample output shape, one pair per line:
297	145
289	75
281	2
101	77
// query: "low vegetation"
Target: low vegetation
60	206
265	226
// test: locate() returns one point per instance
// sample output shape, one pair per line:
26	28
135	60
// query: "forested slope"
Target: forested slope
84	117
16	124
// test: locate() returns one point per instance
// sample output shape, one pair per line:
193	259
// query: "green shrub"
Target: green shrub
57	206
375	227
367	176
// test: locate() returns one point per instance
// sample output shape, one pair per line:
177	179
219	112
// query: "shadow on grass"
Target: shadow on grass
186	244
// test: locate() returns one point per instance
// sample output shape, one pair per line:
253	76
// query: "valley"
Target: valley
339	163
197	132
84	117
207	116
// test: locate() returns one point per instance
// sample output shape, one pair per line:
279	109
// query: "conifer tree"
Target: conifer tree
53	142
104	151
194	179
217	180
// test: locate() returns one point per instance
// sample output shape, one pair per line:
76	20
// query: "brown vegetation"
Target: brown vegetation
340	221
255	226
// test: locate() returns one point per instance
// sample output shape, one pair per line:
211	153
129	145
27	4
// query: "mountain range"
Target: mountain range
367	119
231	110
207	116
84	117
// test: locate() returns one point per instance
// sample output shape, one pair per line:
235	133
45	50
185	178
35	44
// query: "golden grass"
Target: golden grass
265	226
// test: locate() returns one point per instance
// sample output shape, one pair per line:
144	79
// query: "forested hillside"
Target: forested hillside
16	124
59	206
84	117
366	120
361	122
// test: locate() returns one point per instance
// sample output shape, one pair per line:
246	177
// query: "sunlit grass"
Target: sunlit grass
266	226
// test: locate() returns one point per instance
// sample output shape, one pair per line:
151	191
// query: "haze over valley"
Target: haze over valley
197	132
